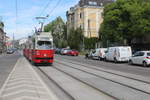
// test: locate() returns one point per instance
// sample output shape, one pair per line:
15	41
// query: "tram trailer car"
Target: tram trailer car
39	48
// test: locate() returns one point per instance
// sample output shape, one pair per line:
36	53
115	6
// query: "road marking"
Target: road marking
24	83
5	83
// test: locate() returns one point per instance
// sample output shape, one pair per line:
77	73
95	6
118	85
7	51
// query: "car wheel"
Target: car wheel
130	62
144	64
105	59
100	58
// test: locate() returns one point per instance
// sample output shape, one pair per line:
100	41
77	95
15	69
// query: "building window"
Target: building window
80	15
92	3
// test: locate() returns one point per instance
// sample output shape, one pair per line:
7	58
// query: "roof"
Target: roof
94	2
46	33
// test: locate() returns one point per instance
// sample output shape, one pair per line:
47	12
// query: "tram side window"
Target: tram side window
44	45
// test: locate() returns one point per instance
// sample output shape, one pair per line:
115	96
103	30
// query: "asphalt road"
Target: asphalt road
7	63
75	77
122	67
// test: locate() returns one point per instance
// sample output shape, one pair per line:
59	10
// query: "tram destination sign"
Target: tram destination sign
44	38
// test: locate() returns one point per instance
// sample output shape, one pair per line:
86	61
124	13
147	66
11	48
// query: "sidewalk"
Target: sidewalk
24	83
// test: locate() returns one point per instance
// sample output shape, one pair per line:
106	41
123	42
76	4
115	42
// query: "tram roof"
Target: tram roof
44	34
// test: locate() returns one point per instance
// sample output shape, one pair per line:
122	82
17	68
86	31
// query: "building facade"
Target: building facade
87	15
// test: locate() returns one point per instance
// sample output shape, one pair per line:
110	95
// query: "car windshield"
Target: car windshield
106	51
44	45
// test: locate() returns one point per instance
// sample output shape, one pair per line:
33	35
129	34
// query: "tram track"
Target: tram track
54	82
86	83
101	70
131	87
120	68
60	66
68	94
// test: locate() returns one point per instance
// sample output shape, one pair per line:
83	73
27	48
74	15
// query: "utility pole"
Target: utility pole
13	41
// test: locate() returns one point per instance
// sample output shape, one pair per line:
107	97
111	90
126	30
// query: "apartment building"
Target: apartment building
87	15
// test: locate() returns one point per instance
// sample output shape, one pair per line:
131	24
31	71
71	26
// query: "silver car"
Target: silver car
141	58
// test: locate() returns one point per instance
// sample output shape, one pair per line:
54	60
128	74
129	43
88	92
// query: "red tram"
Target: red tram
39	48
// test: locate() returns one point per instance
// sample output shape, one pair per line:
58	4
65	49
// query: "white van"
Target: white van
118	54
99	53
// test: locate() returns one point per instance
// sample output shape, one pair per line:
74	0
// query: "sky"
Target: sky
23	22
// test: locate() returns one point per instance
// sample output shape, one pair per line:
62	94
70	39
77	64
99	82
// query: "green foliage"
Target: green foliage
58	29
75	38
62	44
125	20
1	24
90	42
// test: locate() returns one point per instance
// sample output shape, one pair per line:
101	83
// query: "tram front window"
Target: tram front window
44	45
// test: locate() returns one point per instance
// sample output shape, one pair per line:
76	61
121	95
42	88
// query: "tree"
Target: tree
75	38
1	24
90	42
125	20
58	29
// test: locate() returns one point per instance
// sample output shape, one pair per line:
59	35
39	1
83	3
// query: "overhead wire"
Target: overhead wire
51	11
58	2
46	6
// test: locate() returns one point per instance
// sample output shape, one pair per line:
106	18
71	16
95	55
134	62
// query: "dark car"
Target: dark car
58	51
10	51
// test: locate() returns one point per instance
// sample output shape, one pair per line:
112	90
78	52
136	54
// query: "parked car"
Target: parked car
88	55
10	51
57	50
98	53
141	58
73	53
118	54
64	51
